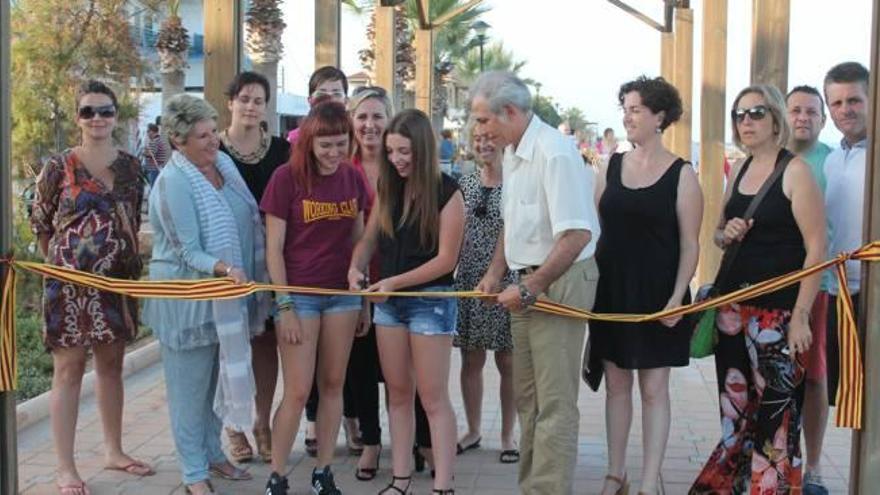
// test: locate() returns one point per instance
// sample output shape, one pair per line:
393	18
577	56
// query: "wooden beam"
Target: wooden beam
424	10
328	18
223	23
865	461
712	119
684	79
770	28
667	64
443	19
8	432
424	70
386	52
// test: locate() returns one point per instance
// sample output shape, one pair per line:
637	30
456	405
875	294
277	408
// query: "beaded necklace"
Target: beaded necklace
253	157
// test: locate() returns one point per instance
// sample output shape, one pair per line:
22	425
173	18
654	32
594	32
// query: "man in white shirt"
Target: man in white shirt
846	93
550	231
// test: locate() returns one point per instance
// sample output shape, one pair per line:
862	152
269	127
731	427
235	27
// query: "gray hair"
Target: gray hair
181	114
502	88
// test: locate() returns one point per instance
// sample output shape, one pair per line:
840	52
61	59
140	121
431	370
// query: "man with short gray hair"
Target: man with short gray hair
550	233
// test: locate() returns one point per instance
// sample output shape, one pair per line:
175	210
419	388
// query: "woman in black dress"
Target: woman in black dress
256	155
650	208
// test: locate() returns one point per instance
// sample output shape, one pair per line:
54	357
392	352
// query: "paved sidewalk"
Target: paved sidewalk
694	432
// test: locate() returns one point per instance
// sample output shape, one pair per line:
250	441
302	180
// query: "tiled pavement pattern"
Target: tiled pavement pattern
694	432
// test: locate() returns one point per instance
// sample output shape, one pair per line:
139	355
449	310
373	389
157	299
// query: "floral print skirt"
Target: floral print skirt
761	392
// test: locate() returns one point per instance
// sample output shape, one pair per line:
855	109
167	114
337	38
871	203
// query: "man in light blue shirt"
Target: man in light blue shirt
806	115
846	93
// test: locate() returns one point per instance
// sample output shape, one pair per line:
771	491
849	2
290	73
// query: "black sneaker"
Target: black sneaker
277	485
322	482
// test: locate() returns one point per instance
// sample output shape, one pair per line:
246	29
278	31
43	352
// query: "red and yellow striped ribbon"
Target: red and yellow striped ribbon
849	394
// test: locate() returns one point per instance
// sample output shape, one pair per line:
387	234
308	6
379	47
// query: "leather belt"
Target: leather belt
527	270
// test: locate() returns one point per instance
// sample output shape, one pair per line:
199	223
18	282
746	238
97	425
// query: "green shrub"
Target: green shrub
34	363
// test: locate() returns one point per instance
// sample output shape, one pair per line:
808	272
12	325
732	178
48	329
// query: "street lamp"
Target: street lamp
480	28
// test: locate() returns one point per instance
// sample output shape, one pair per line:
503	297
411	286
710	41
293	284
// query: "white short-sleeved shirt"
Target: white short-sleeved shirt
844	206
547	191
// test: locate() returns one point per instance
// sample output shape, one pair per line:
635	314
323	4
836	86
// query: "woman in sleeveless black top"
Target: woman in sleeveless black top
417	227
761	340
256	155
650	208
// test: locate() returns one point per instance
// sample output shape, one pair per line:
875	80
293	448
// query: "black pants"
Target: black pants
423	429
312	404
362	378
833	345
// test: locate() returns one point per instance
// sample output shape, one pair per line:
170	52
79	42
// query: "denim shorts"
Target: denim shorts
309	307
421	315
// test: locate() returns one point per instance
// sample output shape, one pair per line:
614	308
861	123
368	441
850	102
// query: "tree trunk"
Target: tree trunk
270	70
172	84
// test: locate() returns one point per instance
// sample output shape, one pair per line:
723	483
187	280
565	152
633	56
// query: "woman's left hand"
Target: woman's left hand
363	325
800	337
384	285
671	321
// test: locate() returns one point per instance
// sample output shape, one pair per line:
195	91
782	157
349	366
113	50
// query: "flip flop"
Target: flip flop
461	449
238	474
510	456
134	468
73	489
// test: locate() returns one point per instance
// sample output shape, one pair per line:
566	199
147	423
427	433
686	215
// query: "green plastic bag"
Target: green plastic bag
705	337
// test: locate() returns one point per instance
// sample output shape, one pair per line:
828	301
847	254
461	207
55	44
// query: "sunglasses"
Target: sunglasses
755	113
88	112
483	206
376	90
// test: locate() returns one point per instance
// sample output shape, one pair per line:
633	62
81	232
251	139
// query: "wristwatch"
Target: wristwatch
526	298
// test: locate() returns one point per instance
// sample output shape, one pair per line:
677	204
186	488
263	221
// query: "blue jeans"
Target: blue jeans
421	315
190	383
310	307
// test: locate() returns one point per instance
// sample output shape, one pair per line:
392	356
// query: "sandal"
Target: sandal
391	486
237	474
461	449
263	439
312	447
239	448
207	482
134	468
510	456
352	439
79	488
441	491
368	474
621	482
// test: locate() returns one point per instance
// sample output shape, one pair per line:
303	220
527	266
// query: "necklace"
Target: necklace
251	158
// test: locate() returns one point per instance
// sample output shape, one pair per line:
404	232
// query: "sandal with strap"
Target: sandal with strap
392	486
263	439
621	482
239	447
441	491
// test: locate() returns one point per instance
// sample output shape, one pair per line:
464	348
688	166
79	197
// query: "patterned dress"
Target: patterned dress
480	327
92	229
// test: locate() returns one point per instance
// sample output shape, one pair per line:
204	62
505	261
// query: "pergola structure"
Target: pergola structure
769	63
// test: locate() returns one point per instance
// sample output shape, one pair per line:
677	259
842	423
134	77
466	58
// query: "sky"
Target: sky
583	50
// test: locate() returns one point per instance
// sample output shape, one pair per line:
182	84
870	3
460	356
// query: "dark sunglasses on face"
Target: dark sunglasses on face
88	112
755	113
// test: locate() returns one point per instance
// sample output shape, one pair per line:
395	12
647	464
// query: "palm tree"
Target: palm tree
495	57
265	24
405	58
172	43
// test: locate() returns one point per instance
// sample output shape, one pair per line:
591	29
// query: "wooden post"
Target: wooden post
424	70
770	27
223	22
384	68
327	33
684	79
667	64
8	447
712	119
865	461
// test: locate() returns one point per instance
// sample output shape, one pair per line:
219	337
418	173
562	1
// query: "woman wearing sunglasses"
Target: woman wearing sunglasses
86	216
761	340
482	327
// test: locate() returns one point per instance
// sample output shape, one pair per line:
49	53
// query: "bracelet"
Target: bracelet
228	270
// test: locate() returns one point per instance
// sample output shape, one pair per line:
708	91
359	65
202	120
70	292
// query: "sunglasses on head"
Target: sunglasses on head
483	206
376	90
88	112
755	113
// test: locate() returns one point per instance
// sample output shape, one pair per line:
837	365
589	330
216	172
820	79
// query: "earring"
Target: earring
658	130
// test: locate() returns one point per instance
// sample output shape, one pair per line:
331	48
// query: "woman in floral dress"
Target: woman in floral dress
86	216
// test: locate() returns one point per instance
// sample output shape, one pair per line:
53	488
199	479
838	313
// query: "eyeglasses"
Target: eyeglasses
483	206
88	112
376	90
755	113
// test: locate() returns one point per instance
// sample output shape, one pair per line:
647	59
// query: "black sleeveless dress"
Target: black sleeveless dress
638	256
